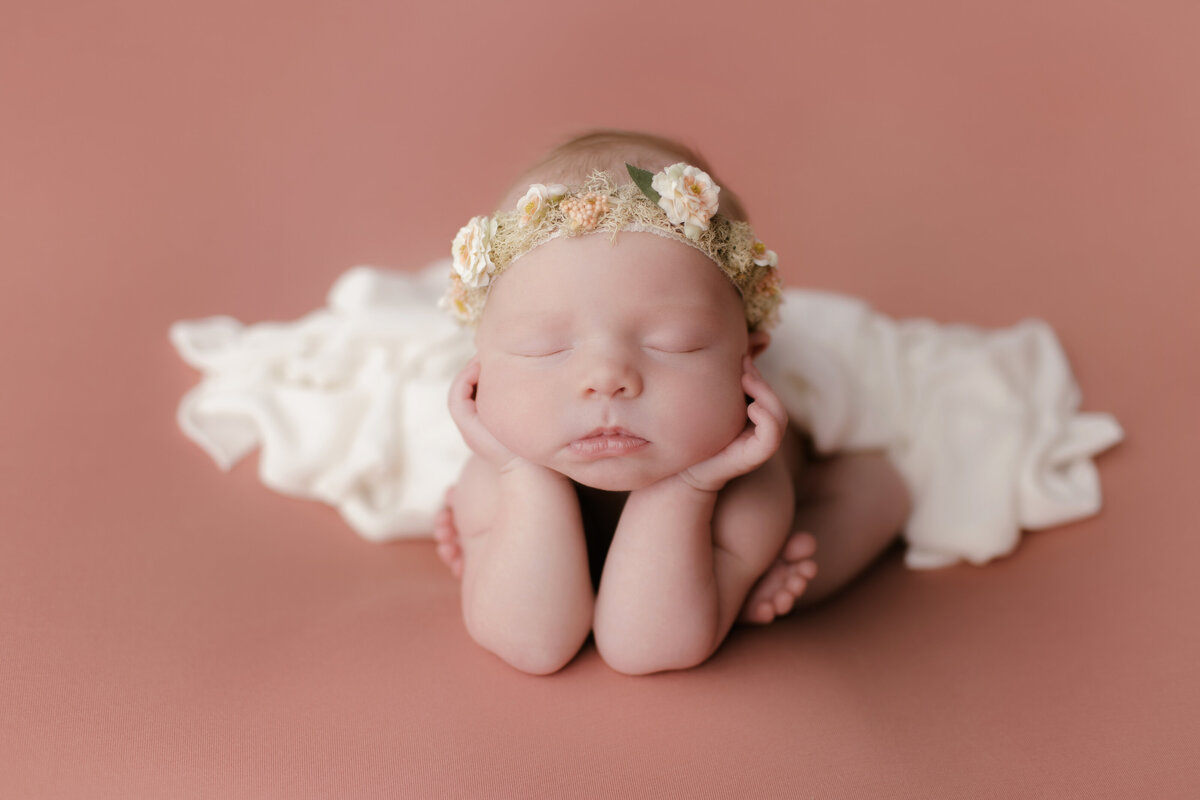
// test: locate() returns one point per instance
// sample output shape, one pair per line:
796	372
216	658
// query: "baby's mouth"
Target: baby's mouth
607	442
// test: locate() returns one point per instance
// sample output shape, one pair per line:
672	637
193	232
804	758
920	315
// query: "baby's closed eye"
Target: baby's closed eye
680	342
538	348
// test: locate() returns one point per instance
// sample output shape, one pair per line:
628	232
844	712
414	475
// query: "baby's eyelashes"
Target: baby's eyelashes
677	339
540	351
675	345
674	351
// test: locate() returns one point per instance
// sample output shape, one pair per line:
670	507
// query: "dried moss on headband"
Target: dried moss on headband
678	203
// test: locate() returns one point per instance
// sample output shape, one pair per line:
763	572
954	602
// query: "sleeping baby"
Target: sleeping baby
628	472
620	429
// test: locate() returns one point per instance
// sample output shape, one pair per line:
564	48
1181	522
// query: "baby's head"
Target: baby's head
611	182
609	151
614	358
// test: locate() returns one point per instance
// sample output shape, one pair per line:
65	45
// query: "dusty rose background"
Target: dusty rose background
170	631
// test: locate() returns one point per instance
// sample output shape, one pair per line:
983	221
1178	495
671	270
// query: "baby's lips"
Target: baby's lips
608	442
609	430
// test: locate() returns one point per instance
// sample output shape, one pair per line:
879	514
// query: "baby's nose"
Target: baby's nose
612	377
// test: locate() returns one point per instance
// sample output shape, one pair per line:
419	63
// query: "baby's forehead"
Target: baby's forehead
546	305
633	270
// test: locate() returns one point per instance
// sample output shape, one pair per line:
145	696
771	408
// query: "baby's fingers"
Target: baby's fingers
465	381
763	395
766	436
462	393
466	415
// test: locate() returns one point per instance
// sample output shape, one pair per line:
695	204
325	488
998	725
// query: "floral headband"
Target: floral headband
679	203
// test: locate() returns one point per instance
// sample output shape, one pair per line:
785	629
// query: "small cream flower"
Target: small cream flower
689	197
472	252
455	300
764	257
535	202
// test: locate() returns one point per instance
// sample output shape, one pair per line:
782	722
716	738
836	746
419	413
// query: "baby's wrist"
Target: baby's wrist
699	483
518	469
685	486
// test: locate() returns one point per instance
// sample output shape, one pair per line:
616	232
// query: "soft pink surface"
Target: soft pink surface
167	630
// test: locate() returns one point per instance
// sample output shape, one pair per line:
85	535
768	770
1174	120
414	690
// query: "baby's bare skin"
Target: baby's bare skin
619	427
847	534
773	595
625	366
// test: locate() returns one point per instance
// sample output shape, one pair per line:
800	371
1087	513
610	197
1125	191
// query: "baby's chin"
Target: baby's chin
613	485
613	477
619	475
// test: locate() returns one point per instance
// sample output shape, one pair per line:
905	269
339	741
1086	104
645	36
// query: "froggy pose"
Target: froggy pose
633	476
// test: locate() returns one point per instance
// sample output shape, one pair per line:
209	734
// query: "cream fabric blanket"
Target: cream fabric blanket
348	406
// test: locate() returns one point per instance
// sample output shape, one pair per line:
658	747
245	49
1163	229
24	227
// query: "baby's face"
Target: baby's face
616	364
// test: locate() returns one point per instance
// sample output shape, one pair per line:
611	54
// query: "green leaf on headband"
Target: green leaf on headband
644	180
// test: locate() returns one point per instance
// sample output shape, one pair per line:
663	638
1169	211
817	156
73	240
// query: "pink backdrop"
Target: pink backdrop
167	630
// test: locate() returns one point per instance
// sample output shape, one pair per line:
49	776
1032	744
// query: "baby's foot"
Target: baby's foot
446	536
783	582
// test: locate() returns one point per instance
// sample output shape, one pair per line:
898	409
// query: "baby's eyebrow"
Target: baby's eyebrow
687	313
535	324
540	319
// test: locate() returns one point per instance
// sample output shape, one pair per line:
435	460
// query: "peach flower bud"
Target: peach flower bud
584	212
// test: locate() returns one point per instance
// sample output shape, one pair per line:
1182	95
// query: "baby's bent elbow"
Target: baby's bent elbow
529	652
631	658
544	662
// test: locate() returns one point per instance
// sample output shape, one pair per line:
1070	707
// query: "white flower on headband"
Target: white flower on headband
535	202
472	251
689	197
762	256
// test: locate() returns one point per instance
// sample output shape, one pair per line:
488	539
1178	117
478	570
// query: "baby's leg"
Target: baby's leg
855	506
776	592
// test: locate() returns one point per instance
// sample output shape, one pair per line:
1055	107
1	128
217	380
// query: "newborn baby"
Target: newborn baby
633	476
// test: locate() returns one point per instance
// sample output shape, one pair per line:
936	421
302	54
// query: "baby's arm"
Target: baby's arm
688	549
527	595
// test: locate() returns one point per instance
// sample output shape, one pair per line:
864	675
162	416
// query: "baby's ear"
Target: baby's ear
758	341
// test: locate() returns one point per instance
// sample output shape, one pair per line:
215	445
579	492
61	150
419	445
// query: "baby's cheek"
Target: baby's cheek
493	399
507	409
712	419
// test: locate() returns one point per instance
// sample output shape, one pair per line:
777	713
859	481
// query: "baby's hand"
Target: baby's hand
758	442
466	416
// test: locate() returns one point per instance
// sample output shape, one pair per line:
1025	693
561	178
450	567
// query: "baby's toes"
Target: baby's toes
451	555
443	526
799	574
761	614
783	602
449	552
799	546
